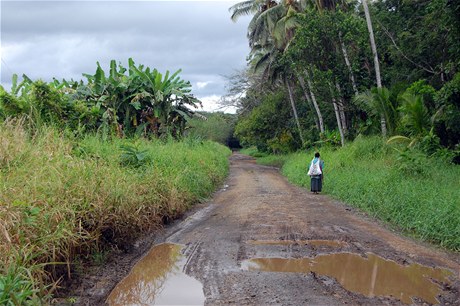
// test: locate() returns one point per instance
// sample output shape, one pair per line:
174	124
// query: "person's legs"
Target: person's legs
314	184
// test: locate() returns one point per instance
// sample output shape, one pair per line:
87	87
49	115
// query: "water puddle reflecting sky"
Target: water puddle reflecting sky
157	279
371	276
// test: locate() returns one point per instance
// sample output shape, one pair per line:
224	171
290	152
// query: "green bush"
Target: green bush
447	123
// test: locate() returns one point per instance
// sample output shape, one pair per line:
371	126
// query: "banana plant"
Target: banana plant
123	100
168	97
140	96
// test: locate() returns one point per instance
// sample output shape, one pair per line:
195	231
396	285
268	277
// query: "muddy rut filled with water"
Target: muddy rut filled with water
263	241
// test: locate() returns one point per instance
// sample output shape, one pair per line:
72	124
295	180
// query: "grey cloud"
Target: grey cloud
65	39
156	18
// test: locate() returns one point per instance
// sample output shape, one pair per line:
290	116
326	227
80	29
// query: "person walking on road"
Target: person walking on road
315	171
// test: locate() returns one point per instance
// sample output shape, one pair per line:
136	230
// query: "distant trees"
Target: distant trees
218	127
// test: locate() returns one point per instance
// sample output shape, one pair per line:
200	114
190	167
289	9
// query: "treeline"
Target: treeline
324	72
133	101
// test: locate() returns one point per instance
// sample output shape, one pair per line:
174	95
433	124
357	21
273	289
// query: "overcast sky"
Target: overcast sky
63	39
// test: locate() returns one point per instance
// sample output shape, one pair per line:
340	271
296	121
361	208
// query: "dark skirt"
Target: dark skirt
316	183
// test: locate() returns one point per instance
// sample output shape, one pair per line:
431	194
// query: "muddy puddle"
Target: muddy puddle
158	279
331	243
371	276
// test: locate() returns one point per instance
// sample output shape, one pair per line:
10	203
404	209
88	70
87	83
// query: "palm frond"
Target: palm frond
398	139
244	8
415	114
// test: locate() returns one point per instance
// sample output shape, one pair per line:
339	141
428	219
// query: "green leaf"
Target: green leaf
113	69
136	104
398	138
99	80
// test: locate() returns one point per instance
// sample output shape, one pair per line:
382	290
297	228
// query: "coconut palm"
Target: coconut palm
376	60
373	46
266	61
416	122
378	102
415	117
250	7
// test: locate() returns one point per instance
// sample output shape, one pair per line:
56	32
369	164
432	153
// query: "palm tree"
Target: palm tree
265	16
378	102
270	32
309	92
373	46
250	7
376	59
417	123
272	21
415	115
266	62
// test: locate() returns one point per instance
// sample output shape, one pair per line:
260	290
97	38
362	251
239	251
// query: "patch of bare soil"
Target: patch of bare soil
258	215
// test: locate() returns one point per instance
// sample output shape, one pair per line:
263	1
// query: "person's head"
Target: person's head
317	154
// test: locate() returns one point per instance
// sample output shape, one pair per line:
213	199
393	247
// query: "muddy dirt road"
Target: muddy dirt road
263	241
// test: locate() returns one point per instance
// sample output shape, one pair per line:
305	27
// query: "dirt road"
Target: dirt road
263	241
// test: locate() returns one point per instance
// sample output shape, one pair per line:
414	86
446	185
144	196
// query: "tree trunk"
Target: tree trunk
376	61
337	116
347	61
307	96
294	110
383	125
315	104
341	107
373	46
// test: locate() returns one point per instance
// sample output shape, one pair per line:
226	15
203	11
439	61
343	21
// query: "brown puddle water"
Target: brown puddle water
371	276
332	243
157	279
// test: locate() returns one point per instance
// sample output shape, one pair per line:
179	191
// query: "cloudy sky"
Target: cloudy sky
63	39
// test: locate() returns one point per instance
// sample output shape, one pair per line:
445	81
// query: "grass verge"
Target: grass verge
61	200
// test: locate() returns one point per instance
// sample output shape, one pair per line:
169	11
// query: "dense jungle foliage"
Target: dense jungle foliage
324	72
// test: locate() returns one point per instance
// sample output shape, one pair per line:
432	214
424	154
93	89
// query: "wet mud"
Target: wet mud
370	276
330	243
262	241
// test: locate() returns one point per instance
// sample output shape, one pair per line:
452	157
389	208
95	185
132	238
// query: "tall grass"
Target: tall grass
60	199
416	194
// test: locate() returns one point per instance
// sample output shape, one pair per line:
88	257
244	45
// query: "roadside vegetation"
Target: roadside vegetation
368	85
85	168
